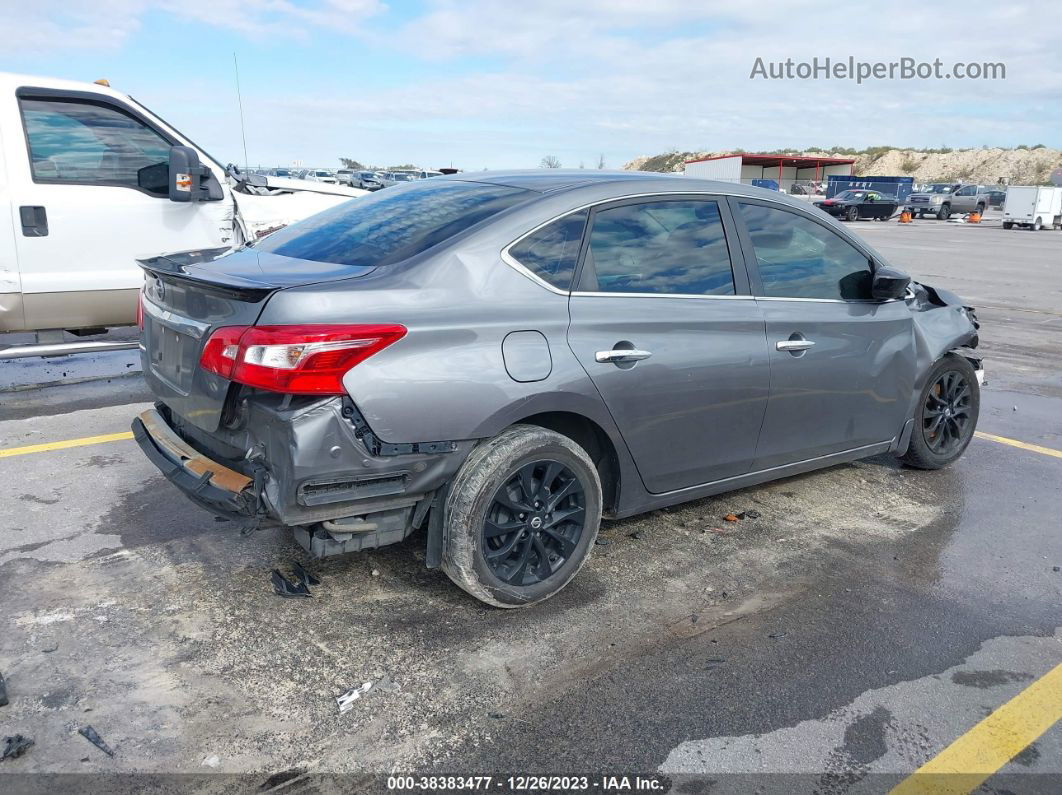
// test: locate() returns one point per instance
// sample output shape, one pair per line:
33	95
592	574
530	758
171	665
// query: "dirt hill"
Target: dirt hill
1021	166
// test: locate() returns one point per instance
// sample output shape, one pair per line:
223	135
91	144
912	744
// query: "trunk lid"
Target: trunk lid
189	295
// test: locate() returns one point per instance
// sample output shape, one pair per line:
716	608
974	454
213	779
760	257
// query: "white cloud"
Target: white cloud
56	25
63	25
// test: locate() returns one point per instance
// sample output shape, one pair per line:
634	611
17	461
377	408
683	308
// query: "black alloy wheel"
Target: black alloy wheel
534	523
946	415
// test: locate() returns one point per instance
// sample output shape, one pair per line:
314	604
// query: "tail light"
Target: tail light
140	309
298	360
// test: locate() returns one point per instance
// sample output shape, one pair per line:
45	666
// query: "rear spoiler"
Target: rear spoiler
180	266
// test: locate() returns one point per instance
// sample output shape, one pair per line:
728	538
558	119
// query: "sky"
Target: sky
501	84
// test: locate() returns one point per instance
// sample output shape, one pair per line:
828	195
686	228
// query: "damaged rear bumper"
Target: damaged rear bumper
214	486
313	466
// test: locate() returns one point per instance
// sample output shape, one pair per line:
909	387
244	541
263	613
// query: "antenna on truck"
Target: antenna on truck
239	100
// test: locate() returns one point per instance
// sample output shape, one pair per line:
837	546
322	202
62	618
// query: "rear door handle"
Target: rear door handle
621	355
793	345
34	221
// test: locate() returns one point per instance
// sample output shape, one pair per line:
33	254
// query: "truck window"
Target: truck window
88	143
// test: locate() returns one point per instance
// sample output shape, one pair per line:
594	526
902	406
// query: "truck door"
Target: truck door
88	207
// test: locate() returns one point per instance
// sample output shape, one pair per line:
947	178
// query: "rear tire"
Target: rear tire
1008	224
508	557
946	416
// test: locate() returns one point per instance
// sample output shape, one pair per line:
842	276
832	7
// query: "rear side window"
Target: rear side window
551	252
392	225
91	143
667	247
798	258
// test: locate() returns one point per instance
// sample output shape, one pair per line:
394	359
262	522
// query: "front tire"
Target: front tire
852	214
946	416
944	213
521	516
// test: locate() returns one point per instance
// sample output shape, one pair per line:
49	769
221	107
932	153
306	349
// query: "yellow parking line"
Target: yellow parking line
85	440
1035	448
965	764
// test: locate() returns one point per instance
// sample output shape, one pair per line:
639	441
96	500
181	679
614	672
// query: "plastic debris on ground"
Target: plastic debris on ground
284	587
304	576
730	517
384	683
93	737
346	701
15	746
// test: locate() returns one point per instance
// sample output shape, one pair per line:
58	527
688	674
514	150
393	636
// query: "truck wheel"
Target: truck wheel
1008	224
980	209
521	517
944	212
1037	224
946	416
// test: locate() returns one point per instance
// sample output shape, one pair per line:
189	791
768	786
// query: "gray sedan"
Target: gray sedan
502	359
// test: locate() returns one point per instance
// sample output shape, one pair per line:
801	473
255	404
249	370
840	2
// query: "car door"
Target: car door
964	199
842	364
97	211
663	323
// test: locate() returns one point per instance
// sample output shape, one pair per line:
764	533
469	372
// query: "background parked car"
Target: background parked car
389	178
851	205
345	176
321	175
807	188
367	180
945	199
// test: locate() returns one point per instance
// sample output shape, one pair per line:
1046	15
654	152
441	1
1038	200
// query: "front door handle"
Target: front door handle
793	345
34	221
621	355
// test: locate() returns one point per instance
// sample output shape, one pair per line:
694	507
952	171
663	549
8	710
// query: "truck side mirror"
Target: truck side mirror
189	180
889	283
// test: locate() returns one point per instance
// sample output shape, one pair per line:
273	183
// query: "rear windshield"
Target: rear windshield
393	224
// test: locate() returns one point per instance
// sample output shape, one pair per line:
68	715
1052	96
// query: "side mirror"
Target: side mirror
189	180
889	283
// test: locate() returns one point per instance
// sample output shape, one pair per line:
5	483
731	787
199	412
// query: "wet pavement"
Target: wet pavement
867	619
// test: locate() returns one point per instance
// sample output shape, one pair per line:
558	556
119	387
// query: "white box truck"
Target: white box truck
90	182
1032	206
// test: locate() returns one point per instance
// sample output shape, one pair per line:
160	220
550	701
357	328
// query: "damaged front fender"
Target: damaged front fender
943	325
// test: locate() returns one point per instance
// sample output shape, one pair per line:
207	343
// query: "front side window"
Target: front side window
79	142
392	225
798	258
552	251
667	247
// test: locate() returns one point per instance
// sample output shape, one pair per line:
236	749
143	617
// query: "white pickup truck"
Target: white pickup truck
92	181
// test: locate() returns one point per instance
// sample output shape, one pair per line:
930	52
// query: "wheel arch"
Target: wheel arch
594	440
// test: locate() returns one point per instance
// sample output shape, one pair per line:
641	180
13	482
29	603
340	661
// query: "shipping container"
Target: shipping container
900	187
